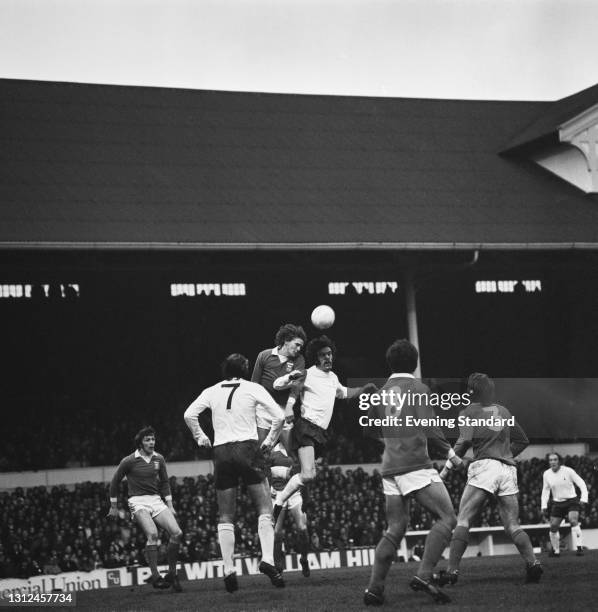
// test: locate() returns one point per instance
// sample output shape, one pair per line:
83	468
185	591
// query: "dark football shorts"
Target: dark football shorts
561	509
236	460
305	433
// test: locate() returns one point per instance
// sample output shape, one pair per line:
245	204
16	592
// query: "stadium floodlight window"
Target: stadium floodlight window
532	286
21	290
207	289
363	287
485	286
507	286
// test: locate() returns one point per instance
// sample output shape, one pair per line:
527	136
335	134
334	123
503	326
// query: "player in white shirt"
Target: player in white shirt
559	480
319	390
237	453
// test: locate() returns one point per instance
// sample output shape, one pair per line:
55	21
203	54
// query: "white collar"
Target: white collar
282	358
146	459
401	375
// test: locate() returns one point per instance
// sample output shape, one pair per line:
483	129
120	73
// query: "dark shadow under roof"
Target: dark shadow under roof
98	165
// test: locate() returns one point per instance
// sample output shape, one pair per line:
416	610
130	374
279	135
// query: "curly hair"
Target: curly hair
315	346
287	332
142	433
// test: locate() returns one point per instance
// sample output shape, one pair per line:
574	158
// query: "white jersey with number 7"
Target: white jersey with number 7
233	404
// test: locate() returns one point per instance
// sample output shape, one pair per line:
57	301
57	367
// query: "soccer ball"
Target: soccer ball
322	317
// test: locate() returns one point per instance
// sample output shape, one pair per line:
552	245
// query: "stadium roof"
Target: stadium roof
112	166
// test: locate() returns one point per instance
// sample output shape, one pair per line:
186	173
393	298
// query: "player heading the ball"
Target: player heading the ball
318	392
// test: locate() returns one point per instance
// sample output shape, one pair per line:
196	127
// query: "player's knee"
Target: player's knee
462	522
574	522
450	521
397	529
176	536
554	529
152	537
512	528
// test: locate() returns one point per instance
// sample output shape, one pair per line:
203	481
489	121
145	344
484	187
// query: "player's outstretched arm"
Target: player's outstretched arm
367	389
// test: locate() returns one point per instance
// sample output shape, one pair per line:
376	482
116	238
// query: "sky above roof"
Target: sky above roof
463	49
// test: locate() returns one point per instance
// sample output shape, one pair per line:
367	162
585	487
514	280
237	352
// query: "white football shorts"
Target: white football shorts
152	503
493	476
403	484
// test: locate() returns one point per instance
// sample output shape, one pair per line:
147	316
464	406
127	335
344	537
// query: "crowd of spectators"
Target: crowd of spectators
92	437
66	529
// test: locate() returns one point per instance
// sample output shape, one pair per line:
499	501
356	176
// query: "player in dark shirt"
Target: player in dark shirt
147	483
496	439
273	363
407	471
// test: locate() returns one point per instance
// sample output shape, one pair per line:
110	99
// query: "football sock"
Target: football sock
459	543
226	538
294	483
265	532
151	556
555	541
577	539
303	543
524	545
172	553
278	556
385	554
438	539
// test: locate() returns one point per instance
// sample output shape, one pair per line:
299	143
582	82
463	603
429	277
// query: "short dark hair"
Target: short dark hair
287	332
142	433
315	346
481	388
402	356
235	366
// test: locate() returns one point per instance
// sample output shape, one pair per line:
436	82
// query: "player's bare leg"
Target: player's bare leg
508	508
555	538
307	460
260	493
285	440
436	499
146	522
576	537
168	522
471	500
227	504
397	513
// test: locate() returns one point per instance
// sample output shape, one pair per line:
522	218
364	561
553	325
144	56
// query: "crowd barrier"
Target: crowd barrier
487	541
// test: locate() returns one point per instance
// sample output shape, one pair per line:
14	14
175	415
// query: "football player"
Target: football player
559	480
237	454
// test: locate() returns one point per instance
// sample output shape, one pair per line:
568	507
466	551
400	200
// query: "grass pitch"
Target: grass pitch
486	583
